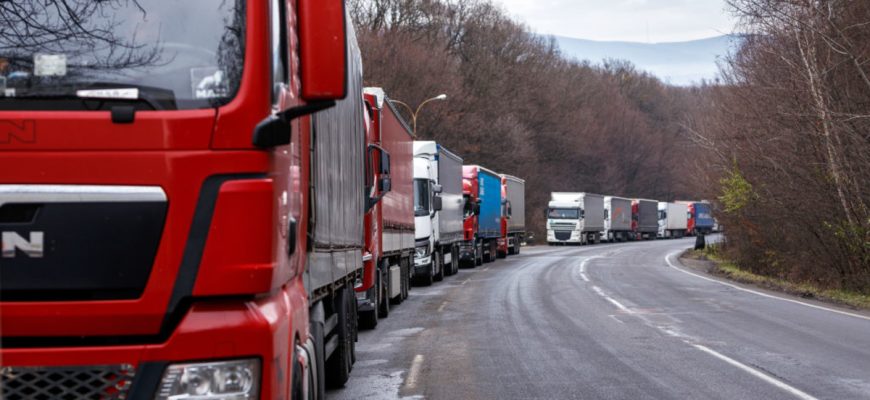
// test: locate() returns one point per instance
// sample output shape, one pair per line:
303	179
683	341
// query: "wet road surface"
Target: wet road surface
610	321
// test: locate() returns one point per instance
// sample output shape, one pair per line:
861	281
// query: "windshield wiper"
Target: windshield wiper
109	91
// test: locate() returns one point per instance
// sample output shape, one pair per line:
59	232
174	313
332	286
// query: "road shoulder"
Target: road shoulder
698	262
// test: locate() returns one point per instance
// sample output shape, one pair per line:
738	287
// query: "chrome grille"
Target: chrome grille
103	382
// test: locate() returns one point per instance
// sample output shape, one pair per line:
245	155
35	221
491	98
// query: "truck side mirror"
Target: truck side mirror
323	49
477	208
437	203
323	58
509	210
436	188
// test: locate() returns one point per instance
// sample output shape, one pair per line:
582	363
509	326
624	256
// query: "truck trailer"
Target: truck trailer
389	218
513	221
673	220
575	218
644	219
178	229
438	210
481	189
617	219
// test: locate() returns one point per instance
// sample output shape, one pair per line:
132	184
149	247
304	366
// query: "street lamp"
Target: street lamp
414	113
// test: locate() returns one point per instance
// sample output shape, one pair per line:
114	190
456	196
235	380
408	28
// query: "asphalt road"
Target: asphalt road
618	321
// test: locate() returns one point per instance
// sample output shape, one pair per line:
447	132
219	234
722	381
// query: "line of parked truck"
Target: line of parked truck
225	237
223	243
587	218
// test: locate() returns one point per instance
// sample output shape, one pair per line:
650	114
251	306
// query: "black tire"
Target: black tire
478	258
426	278
384	304
318	359
405	273
438	262
338	366
369	319
454	259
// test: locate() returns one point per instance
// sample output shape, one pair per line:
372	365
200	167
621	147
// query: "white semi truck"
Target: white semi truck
575	218
438	211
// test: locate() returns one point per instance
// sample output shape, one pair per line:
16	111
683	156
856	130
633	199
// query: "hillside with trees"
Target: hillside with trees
517	106
780	145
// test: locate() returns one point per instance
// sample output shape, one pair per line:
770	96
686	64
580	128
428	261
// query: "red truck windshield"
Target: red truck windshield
157	54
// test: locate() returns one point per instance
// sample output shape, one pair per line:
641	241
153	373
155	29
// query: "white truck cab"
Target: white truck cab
574	218
427	265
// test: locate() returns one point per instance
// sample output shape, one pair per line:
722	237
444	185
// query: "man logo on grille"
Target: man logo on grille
32	247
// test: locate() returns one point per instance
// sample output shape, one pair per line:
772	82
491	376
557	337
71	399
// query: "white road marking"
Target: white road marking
485	269
583	268
756	373
670	264
612	300
414	372
441	308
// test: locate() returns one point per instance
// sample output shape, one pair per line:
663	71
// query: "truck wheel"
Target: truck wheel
438	262
369	319
406	278
455	260
384	304
339	365
478	254
317	363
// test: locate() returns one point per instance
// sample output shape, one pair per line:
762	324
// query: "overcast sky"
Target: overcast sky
625	20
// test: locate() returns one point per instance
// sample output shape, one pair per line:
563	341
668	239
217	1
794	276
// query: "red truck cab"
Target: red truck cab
470	250
154	200
502	251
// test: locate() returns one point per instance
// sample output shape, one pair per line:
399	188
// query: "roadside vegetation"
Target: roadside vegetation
718	264
786	134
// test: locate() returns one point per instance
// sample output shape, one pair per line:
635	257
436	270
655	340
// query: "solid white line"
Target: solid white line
611	300
583	268
414	372
758	374
670	264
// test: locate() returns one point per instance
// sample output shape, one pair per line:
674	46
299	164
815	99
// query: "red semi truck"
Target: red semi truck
389	223
177	222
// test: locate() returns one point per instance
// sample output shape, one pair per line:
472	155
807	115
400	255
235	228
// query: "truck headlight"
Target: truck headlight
421	251
222	380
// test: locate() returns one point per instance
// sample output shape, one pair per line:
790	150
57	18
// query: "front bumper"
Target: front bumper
218	330
466	251
422	265
365	300
558	236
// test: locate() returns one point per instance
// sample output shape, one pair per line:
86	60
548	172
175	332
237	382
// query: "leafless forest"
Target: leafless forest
788	141
780	145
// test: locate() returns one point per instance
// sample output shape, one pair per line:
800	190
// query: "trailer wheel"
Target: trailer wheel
339	365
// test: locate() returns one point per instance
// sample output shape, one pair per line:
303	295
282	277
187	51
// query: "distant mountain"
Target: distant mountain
677	63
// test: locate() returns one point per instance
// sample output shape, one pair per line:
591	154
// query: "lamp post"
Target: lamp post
414	113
